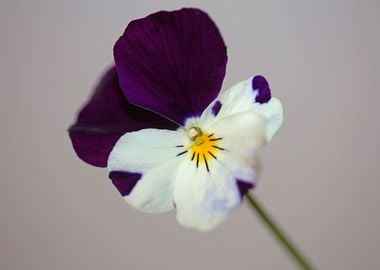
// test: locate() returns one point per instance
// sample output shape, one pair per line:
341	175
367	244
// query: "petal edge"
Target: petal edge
105	118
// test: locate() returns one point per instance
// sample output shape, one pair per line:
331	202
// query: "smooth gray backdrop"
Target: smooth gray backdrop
321	172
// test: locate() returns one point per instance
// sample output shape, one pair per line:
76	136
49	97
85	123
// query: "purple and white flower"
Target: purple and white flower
166	133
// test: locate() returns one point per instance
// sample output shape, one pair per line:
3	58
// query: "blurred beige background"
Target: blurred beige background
321	178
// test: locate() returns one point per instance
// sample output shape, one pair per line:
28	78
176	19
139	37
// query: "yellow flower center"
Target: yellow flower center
205	147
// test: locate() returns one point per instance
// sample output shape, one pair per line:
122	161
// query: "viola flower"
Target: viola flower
166	133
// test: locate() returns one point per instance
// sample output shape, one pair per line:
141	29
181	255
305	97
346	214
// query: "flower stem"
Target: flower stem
279	234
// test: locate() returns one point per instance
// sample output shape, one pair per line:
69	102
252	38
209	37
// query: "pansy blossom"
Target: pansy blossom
169	137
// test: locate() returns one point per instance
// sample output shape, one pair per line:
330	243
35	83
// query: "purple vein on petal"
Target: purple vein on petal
105	118
172	63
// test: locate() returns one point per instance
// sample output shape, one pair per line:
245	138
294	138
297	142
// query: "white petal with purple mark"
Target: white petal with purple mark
152	153
242	97
196	168
169	69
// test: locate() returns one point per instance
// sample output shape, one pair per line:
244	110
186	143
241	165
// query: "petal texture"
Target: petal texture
105	118
204	199
172	63
242	134
253	93
152	153
206	192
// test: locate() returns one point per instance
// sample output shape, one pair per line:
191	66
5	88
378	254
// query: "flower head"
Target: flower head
166	133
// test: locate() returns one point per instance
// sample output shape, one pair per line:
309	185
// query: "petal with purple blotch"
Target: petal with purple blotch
153	154
253	93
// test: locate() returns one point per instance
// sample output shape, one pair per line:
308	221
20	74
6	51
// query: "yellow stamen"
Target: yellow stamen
205	147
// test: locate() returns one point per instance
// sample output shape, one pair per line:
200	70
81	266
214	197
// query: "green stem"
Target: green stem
279	234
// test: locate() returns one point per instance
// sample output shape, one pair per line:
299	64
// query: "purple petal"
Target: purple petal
260	84
124	181
172	63
243	187
105	118
216	107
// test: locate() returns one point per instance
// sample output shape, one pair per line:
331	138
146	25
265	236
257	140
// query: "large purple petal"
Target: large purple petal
105	118
172	63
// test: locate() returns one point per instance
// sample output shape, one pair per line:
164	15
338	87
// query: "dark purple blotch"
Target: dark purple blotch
124	181
216	108
260	84
243	187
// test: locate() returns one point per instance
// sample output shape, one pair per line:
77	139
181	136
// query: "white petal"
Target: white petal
152	153
141	150
204	199
153	193
242	134
273	113
240	98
